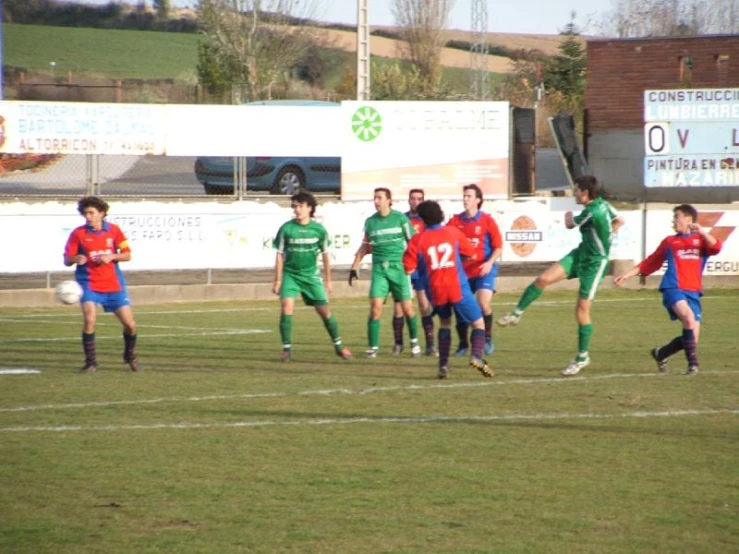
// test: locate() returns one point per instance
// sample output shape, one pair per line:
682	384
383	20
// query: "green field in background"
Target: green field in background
218	447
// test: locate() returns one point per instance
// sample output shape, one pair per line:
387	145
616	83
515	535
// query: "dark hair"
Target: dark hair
92	202
419	191
430	212
687	209
387	193
478	193
589	184
305	197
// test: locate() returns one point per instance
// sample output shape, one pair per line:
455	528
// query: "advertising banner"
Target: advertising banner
435	146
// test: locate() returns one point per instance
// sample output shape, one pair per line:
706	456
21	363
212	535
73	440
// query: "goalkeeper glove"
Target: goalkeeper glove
353	275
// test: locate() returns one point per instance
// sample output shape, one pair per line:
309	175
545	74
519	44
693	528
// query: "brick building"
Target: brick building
618	73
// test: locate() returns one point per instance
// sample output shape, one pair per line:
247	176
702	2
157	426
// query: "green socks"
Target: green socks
286	331
373	333
584	333
527	298
333	330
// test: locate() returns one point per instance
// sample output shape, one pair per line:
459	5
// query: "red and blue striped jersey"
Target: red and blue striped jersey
92	244
416	222
686	256
484	234
437	253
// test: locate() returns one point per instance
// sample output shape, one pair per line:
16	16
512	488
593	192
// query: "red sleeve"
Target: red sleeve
72	248
495	238
410	256
712	250
655	260
121	242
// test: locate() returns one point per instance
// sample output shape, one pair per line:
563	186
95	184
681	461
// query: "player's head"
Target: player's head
304	197
93	202
415	197
472	191
683	218
383	198
586	184
430	212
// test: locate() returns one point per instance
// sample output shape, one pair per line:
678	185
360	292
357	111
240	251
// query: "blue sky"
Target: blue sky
504	16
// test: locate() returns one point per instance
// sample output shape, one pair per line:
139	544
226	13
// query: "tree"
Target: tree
423	23
163	8
656	18
565	72
253	42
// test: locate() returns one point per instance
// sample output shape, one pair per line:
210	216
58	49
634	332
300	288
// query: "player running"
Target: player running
298	244
437	252
588	262
686	253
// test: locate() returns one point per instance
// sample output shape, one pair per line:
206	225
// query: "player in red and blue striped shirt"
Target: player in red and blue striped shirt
96	248
686	253
437	254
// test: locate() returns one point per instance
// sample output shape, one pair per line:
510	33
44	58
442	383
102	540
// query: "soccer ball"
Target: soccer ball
68	292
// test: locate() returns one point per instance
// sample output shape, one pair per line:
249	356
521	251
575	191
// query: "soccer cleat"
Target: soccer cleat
462	351
432	351
489	346
134	364
89	368
482	366
574	367
443	372
415	351
661	364
344	354
397	349
286	356
370	353
509	319
692	370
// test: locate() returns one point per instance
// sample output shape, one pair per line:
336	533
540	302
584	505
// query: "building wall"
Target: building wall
618	73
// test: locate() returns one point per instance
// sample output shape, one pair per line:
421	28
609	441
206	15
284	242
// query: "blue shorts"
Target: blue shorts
110	301
484	282
672	296
419	283
467	310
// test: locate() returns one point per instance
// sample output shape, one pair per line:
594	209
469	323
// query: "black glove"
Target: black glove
353	275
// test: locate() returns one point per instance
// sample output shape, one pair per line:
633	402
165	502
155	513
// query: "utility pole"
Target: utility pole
479	75
363	50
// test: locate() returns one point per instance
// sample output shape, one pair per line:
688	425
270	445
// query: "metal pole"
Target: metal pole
363	50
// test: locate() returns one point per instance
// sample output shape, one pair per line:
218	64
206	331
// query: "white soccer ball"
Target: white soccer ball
68	292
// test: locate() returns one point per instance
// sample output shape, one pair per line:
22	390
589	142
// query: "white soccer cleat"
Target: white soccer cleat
509	319
575	367
416	351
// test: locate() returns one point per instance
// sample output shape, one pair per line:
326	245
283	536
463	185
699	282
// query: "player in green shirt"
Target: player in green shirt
298	244
386	234
588	262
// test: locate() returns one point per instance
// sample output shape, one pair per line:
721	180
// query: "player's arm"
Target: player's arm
572	220
120	245
326	257
72	252
496	241
361	252
648	266
712	244
467	250
279	267
410	256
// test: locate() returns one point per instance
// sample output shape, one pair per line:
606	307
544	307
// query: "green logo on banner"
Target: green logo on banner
367	123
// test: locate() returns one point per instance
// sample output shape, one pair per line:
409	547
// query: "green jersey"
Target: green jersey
595	225
300	246
388	236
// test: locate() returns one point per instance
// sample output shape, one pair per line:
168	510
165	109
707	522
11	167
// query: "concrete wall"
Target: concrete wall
617	158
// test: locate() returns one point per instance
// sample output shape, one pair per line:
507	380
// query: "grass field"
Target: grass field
218	447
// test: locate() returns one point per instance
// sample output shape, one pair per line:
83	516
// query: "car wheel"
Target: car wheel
289	181
211	189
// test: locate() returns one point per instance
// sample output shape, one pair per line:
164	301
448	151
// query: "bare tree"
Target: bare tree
653	18
423	23
255	42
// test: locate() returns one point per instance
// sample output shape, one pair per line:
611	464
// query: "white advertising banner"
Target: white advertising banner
436	146
239	236
81	128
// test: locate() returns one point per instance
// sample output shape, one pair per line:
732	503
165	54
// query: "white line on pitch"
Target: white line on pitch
148	335
355	420
349	392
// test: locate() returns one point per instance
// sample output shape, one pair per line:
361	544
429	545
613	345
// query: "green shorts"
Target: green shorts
390	278
310	287
589	270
